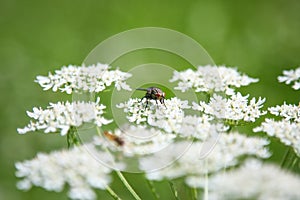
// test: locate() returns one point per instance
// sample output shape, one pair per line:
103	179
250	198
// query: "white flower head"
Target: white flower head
60	117
255	180
288	112
211	78
291	76
93	78
200	127
287	130
75	168
167	118
236	107
226	153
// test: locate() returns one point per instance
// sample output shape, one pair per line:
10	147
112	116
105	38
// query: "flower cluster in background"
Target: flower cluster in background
93	78
168	141
287	127
211	79
291	76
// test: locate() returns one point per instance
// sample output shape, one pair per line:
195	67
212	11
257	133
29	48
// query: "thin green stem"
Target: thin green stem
174	190
152	188
112	193
120	175
72	137
127	185
294	162
206	182
287	159
195	193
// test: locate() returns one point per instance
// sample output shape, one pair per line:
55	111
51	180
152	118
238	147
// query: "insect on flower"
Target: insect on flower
155	94
114	138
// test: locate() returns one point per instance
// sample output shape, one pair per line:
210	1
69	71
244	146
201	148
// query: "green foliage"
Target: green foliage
259	37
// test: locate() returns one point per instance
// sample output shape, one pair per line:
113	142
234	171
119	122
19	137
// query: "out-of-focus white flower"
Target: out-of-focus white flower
75	168
255	180
290	76
211	78
93	78
138	140
168	119
236	107
224	153
287	129
61	116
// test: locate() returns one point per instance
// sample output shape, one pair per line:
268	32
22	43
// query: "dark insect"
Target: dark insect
114	138
155	94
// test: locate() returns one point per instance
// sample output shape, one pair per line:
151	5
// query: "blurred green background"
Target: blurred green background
260	37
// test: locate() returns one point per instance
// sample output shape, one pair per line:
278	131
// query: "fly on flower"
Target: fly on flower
114	138
155	94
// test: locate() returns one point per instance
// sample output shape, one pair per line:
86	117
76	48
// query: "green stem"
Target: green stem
120	175
152	188
194	193
72	137
287	157
174	190
294	162
206	182
127	185
112	193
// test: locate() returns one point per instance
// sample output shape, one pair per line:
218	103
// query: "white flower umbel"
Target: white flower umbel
60	117
287	129
291	76
289	112
211	78
75	168
200	127
137	140
236	107
167	118
93	78
225	153
255	180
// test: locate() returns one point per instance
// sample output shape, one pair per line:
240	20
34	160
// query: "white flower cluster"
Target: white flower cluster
290	76
200	127
93	78
156	115
287	129
224	153
74	167
138	140
255	180
62	116
287	111
171	119
236	107
211	78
